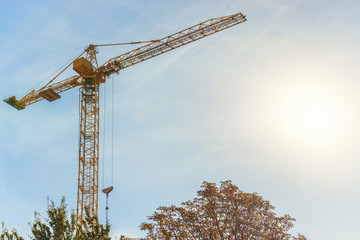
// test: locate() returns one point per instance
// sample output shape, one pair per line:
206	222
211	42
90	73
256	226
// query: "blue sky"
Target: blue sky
271	104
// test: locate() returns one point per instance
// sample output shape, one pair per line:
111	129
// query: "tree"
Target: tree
223	212
61	225
92	229
5	234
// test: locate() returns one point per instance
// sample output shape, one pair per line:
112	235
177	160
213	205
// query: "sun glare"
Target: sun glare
313	116
314	119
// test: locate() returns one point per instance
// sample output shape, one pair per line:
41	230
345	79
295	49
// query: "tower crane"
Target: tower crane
89	78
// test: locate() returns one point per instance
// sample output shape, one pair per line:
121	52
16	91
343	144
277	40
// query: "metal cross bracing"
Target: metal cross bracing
89	79
88	180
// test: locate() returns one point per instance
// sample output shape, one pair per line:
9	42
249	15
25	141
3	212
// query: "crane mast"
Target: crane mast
88	181
90	77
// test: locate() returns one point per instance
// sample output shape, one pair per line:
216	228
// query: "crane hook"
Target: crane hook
107	191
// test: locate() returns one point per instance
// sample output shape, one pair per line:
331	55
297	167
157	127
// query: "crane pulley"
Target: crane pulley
90	77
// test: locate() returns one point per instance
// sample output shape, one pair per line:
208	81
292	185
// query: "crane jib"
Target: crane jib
171	42
114	65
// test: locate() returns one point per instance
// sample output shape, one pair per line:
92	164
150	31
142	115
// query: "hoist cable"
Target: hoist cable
79	119
112	132
104	135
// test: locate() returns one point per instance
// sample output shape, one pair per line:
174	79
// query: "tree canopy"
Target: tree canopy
223	212
217	213
60	224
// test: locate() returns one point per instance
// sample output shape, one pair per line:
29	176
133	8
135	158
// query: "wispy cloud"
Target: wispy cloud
207	111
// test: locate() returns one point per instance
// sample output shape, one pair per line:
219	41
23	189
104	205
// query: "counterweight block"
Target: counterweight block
49	94
82	66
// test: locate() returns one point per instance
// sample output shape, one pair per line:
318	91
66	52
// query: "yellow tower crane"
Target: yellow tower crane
90	77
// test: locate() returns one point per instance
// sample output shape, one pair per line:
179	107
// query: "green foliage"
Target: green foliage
223	212
57	225
60	224
6	235
92	229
